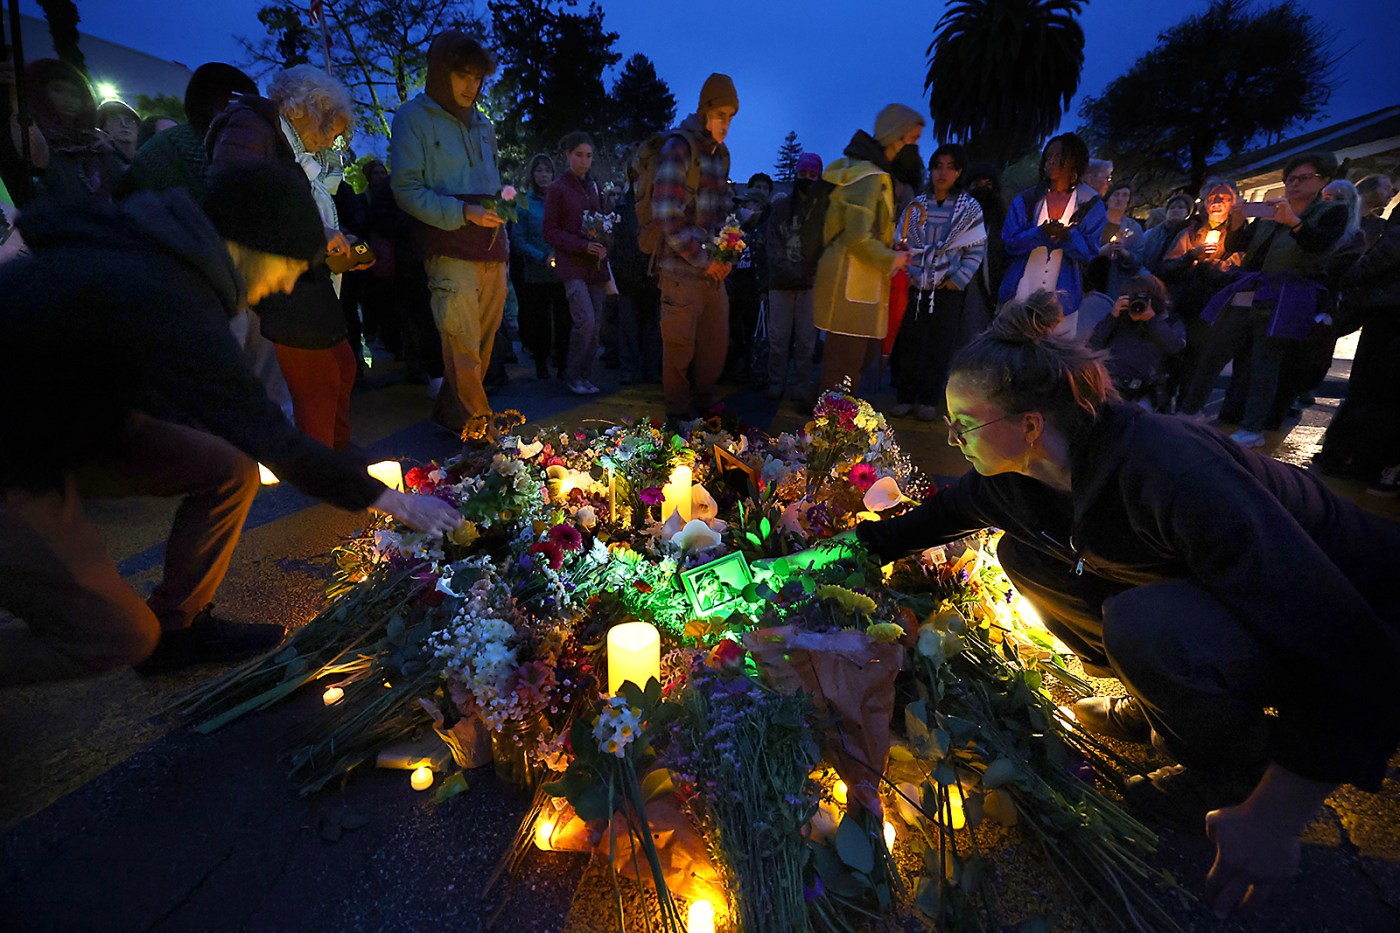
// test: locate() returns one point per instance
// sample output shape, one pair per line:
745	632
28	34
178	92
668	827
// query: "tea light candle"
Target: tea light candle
676	494
634	653
421	778
388	472
544	832
701	918
332	696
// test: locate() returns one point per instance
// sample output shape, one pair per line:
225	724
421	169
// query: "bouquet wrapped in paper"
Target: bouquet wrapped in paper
849	676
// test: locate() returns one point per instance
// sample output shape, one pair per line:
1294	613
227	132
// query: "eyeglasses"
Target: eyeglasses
1299	179
959	435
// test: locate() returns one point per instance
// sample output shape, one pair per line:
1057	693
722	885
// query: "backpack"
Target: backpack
648	233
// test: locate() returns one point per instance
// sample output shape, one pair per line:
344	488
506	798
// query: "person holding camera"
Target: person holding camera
1250	612
1141	340
305	111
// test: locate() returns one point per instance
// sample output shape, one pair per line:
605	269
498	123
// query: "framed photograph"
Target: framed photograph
737	474
715	587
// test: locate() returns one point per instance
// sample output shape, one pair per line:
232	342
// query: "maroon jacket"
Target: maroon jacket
565	203
250	130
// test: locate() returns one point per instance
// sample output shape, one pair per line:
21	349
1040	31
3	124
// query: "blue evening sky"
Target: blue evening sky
819	67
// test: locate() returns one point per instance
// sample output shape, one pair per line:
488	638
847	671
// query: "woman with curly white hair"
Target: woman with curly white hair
305	111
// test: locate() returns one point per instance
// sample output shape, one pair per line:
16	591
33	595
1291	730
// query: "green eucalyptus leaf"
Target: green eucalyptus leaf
929	898
854	845
765	527
1000	772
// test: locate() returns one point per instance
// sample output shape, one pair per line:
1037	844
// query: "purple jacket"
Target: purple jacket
565	203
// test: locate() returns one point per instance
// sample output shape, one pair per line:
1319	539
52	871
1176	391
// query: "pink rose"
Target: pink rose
508	193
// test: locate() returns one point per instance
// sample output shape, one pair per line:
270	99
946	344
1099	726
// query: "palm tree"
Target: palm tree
1001	73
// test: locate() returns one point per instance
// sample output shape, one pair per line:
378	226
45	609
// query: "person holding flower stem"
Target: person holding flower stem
1250	612
444	153
581	259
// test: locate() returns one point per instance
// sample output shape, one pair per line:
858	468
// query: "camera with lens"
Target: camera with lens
1138	304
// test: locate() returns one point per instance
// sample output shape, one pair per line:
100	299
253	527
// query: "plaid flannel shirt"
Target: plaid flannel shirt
686	225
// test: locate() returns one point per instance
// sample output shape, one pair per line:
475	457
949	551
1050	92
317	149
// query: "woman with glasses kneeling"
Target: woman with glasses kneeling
1250	613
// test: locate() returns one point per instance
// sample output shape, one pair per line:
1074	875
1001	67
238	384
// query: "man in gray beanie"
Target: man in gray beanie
120	319
852	295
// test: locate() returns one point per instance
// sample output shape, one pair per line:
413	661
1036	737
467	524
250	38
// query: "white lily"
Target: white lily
695	536
884	494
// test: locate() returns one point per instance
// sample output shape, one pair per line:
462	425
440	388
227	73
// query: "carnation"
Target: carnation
567	537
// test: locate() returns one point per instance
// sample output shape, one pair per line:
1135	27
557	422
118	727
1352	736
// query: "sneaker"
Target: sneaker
926	413
1388	486
1249	439
591	386
211	640
1180	797
901	410
1116	717
1197	417
579	387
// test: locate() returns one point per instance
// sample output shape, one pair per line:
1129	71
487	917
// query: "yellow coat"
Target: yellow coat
852	292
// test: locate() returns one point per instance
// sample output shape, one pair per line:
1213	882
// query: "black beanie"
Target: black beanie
266	206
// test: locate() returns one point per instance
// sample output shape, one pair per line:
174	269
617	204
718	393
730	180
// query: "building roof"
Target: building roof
129	71
1352	138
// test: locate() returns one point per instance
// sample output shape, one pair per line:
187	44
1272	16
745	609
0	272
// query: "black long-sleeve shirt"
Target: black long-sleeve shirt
1309	575
126	309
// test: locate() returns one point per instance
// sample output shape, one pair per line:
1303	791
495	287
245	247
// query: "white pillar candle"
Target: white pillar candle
388	472
676	494
634	653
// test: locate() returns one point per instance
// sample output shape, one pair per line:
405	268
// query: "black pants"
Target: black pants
934	329
1364	437
1197	672
544	321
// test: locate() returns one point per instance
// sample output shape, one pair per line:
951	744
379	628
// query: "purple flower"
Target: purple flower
651	495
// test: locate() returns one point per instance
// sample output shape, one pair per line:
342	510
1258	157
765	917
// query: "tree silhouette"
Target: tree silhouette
379	48
642	103
1002	72
785	168
1218	79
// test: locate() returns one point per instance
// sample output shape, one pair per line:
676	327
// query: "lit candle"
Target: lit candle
889	835
838	791
634	653
676	494
1212	237
421	778
955	803
544	832
332	696
701	918
612	496
266	477
388	472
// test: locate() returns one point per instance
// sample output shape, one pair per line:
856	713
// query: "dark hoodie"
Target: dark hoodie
128	309
1306	573
83	164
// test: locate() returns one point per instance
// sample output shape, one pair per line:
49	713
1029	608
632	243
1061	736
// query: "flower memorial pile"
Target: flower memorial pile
803	740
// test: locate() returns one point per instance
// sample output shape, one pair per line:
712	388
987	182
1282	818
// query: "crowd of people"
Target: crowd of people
211	289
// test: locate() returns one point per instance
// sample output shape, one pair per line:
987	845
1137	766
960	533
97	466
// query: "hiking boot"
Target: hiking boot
901	410
1116	717
1248	439
1388	486
211	640
1180	797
